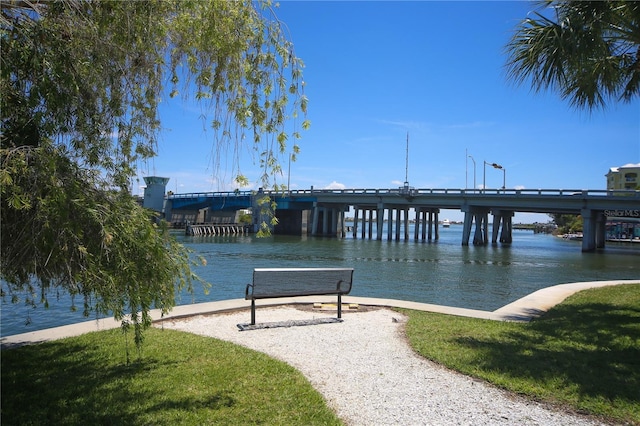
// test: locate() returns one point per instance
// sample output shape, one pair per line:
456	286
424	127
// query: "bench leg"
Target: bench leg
339	306
253	312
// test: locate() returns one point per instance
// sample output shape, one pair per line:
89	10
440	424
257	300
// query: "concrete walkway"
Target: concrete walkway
522	310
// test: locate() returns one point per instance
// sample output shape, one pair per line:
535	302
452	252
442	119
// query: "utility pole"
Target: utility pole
406	171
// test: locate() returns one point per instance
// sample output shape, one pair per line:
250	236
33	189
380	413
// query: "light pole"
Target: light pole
474	172
504	180
484	175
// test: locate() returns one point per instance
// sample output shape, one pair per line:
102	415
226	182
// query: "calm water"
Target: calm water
444	273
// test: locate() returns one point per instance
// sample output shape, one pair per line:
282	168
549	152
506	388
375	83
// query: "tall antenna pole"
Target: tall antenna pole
406	172
466	168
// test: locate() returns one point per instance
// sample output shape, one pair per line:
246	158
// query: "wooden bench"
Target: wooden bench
271	283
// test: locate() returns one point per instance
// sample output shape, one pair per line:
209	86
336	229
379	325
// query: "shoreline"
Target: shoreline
522	310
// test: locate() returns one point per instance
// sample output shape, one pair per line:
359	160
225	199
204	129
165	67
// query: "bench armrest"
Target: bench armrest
246	292
346	290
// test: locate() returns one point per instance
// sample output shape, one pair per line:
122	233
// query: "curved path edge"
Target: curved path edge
523	310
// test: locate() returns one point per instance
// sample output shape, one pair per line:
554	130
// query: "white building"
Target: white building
624	177
154	193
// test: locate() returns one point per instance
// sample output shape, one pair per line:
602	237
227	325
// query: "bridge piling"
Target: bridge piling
593	230
502	225
216	229
479	216
370	223
478	236
423	213
601	231
354	232
405	213
466	228
380	221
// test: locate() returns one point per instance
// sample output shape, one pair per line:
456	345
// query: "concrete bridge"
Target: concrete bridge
322	212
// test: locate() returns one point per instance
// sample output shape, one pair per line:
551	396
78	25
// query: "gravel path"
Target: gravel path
369	375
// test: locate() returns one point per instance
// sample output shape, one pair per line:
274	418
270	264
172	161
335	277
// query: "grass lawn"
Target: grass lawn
181	379
583	354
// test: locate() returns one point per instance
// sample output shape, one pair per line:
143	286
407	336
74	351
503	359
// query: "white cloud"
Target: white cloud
335	185
470	125
519	187
406	124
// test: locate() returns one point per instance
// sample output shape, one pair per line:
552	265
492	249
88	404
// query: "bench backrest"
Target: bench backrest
284	282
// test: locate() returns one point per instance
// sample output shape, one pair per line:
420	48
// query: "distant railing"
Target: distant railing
416	191
457	192
211	194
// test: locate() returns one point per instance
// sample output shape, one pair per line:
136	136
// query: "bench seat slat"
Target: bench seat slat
293	293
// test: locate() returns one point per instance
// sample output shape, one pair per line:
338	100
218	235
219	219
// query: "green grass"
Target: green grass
180	378
584	354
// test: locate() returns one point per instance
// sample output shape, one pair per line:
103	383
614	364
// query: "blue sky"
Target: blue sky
377	71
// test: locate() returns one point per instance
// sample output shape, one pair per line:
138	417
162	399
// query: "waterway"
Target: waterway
442	272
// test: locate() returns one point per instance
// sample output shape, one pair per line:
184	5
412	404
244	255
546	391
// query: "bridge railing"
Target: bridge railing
458	192
404	191
211	194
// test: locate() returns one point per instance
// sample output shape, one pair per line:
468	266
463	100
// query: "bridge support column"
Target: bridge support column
506	235
466	227
340	223
503	217
589	219
481	224
355	223
497	217
601	230
367	225
325	221
380	223
314	221
405	213
429	223
480	216
398	222
370	223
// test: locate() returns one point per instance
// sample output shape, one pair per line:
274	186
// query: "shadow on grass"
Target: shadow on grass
65	383
593	349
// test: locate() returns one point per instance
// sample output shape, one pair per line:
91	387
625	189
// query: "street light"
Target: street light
474	172
484	175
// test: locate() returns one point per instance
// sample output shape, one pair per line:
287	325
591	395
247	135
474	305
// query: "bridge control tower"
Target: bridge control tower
154	193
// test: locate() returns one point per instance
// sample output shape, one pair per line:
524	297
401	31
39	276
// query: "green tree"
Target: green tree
587	51
80	86
567	223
